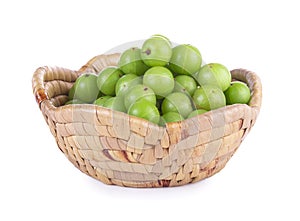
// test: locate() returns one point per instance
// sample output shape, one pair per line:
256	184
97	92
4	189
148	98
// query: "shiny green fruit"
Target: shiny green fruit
139	92
209	97
146	110
237	93
115	103
101	100
186	59
131	63
185	84
160	80
163	37
196	112
107	80
86	88
171	117
214	74
177	102
156	51
126	82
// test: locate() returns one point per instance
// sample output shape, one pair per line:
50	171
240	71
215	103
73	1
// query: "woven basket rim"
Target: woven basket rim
108	111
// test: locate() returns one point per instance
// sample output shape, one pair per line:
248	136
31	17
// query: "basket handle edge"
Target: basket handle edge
46	73
254	83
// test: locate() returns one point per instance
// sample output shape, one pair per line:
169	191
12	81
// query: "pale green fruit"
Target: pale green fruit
186	59
131	63
156	51
209	97
107	80
214	74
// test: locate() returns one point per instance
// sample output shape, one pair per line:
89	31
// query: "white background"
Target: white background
260	182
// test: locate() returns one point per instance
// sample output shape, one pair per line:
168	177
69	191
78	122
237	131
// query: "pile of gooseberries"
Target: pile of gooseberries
160	83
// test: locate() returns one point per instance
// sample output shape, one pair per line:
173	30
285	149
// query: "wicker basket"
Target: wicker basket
116	148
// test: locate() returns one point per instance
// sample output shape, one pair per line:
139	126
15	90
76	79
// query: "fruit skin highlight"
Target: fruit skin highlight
146	110
237	93
186	59
214	74
160	80
209	97
156	51
163	37
131	62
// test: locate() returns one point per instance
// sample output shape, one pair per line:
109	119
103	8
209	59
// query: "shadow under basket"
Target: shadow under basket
124	150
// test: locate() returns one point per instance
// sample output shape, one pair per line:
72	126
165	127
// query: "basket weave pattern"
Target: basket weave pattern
116	148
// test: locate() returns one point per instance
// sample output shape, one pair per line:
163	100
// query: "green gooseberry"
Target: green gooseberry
86	88
177	102
107	80
131	63
156	51
185	84
146	110
209	97
126	82
115	103
139	92
214	74
101	100
186	59
160	80
196	112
